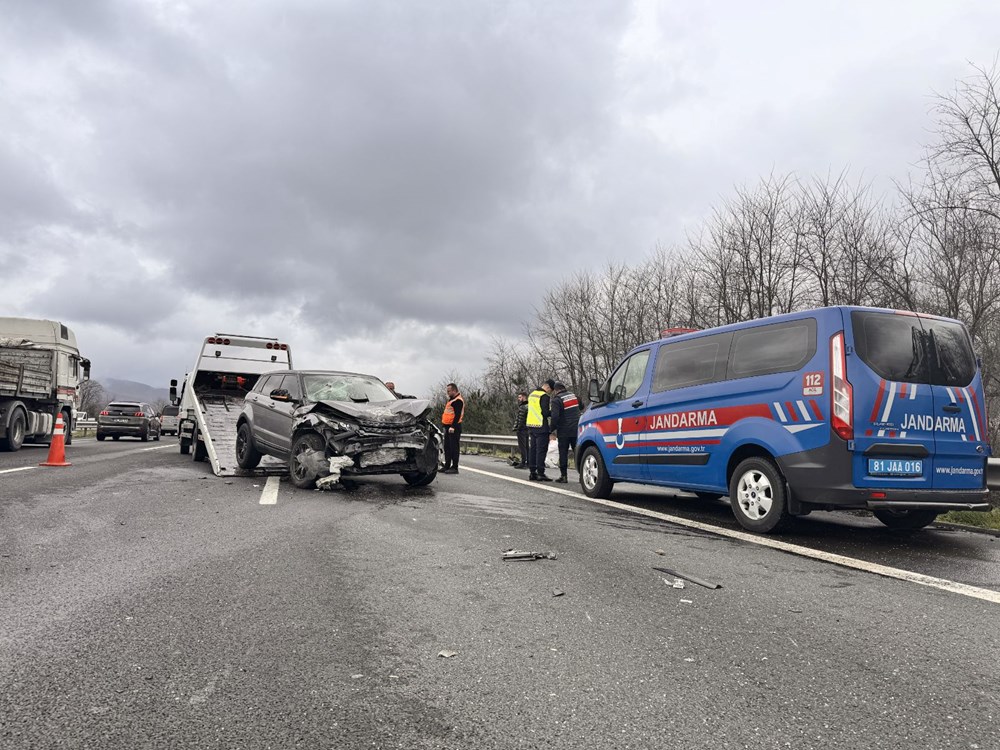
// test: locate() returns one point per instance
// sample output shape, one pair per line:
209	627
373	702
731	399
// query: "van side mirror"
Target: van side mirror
594	392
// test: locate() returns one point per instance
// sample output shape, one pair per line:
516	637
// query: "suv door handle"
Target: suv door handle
636	404
952	408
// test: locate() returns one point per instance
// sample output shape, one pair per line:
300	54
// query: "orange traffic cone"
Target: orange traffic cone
57	448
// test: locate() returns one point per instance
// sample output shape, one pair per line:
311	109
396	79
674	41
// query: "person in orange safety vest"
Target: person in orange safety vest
451	422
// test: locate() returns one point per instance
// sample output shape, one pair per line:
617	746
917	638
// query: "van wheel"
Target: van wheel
906	520
101	437
247	455
757	495
302	460
594	475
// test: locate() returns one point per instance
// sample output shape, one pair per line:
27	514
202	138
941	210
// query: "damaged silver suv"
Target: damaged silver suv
334	425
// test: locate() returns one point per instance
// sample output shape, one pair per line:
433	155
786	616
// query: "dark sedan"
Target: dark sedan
128	419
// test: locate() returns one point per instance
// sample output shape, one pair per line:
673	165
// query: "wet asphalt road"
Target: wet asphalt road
148	604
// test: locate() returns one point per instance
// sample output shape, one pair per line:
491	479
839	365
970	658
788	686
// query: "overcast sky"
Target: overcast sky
389	185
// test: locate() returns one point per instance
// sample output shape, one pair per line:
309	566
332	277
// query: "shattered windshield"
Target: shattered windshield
337	387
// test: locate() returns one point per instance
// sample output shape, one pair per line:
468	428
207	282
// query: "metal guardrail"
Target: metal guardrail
503	441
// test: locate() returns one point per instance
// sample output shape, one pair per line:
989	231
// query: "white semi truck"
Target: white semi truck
211	397
40	374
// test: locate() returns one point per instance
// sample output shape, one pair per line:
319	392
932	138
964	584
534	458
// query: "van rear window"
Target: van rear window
170	411
908	349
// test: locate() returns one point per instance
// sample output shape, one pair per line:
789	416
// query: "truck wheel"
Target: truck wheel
185	446
247	455
200	451
419	478
301	462
757	495
15	432
594	474
68	434
906	520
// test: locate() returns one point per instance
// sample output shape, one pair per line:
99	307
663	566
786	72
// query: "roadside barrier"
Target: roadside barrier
57	448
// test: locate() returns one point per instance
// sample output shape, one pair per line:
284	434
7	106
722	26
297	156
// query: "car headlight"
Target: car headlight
336	424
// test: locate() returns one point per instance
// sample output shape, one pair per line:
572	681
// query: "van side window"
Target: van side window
628	377
781	347
688	363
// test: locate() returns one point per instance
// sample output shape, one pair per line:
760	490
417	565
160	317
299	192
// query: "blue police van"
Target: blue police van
833	408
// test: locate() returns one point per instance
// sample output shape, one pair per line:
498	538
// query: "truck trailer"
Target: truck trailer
211	397
40	374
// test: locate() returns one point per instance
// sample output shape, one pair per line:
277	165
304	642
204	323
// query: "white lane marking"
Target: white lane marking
156	448
270	494
847	562
11	471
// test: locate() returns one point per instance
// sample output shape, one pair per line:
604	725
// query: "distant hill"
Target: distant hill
129	390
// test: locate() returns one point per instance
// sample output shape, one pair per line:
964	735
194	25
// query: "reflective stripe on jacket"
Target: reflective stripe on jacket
565	414
448	417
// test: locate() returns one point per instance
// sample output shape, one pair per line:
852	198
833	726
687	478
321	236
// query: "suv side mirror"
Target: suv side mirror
280	394
594	392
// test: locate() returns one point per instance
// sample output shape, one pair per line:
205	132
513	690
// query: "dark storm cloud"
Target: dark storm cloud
359	172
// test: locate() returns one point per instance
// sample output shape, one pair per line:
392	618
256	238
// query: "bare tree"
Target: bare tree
968	144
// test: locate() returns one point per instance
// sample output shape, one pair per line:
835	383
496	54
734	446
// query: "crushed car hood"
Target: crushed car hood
397	411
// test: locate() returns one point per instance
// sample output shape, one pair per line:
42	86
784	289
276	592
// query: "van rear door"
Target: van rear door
961	444
894	404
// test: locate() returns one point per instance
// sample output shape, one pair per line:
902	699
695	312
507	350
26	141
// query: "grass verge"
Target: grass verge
989	520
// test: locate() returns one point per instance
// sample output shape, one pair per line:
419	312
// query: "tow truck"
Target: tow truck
211	397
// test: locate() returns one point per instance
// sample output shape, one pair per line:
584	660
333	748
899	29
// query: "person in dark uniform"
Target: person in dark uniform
565	422
521	429
451	423
538	431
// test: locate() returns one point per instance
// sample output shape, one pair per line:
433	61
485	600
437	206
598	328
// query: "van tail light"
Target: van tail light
841	394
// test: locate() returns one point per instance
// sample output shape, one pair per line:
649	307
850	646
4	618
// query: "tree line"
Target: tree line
790	243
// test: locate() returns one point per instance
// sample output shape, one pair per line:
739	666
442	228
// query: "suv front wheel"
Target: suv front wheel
302	462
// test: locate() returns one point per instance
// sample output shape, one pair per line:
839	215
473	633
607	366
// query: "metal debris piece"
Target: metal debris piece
447	654
688	577
557	592
515	555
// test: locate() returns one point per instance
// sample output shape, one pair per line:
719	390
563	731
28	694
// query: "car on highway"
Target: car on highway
128	419
169	420
332	425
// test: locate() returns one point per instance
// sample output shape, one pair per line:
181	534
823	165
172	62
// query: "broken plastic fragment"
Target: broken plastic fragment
557	592
447	654
336	465
678	583
686	601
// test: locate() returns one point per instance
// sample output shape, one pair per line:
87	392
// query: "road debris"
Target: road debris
335	464
660	552
688	577
517	555
677	584
557	592
686	601
447	654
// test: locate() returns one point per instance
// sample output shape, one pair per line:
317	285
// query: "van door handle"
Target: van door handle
636	404
952	408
